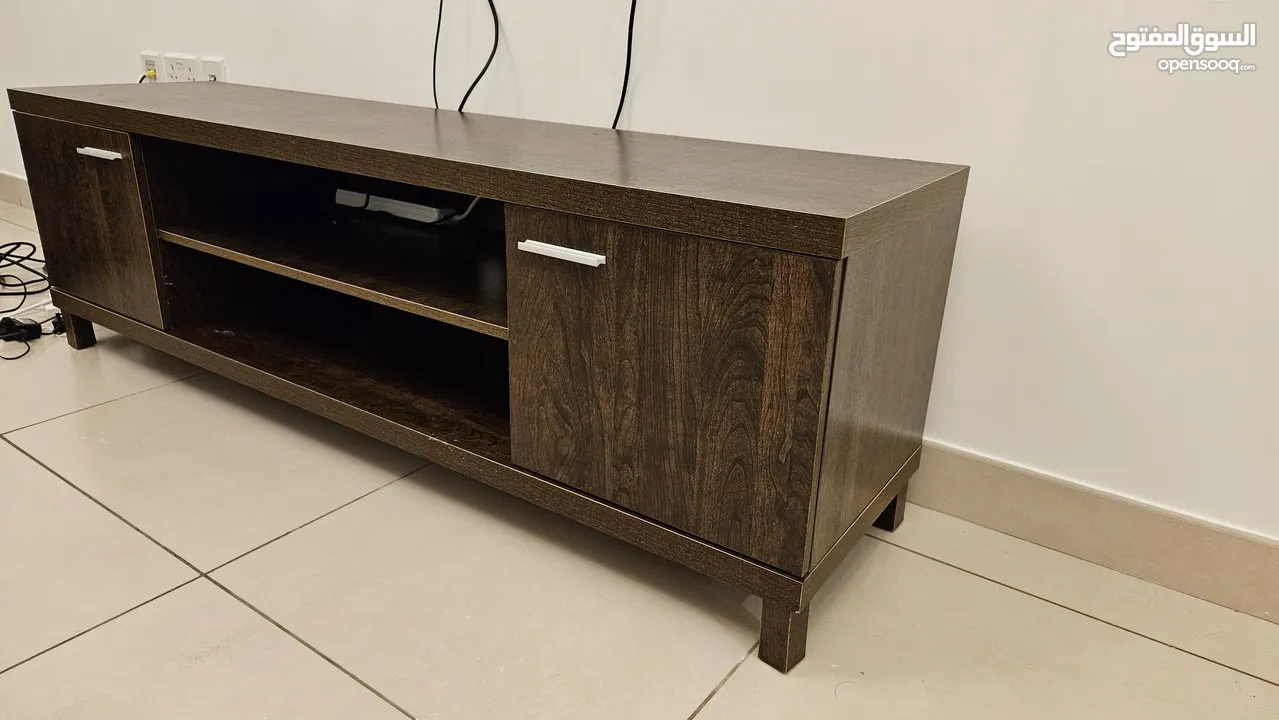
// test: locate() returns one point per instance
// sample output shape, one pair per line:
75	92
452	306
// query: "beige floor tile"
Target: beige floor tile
18	216
14	191
459	602
211	469
1241	641
54	380
195	654
12	231
896	635
65	563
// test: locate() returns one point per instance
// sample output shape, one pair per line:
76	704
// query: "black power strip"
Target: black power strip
24	331
12	330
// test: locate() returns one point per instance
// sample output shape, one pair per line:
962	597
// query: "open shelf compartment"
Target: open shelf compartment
282	218
438	379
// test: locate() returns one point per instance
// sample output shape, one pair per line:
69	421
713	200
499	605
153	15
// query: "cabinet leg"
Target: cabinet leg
783	635
79	332
893	514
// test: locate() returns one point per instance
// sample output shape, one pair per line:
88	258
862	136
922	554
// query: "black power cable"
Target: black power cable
19	254
19	356
493	52
626	78
24	331
435	55
22	255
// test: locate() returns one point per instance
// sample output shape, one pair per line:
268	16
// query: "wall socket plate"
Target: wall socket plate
151	61
213	68
181	67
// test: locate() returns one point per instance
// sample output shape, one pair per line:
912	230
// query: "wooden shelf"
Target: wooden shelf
433	378
456	276
424	402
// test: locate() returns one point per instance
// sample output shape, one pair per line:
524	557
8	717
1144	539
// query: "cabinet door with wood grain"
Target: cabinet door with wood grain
89	208
676	376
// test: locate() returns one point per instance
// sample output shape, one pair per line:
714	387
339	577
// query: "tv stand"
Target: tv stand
720	353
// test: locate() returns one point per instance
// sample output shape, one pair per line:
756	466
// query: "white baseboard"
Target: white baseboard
1213	563
14	190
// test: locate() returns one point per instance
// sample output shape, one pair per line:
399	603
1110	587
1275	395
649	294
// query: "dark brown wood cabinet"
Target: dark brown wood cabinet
669	378
720	353
84	185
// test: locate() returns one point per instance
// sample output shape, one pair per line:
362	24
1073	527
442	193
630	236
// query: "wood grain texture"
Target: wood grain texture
658	539
893	515
80	333
783	635
682	379
797	200
885	349
456	277
90	211
837	295
890	218
439	379
424	402
826	566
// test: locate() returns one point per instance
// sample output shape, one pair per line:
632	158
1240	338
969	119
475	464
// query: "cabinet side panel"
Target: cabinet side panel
890	320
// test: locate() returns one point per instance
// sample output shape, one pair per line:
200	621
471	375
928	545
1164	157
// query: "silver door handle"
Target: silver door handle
580	257
99	153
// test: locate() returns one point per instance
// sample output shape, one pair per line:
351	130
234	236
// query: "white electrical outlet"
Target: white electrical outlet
181	67
151	63
213	68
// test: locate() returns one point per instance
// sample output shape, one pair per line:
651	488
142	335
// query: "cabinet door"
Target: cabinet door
88	206
682	379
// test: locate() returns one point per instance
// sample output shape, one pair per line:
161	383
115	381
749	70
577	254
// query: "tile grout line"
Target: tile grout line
290	633
722	682
310	647
700	707
1125	573
1056	551
1079	612
200	372
205	575
100	504
317	518
24	227
95	627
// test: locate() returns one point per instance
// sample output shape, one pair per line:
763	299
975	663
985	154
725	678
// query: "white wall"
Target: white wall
1114	313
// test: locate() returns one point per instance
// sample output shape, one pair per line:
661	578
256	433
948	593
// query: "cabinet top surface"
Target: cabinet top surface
778	189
